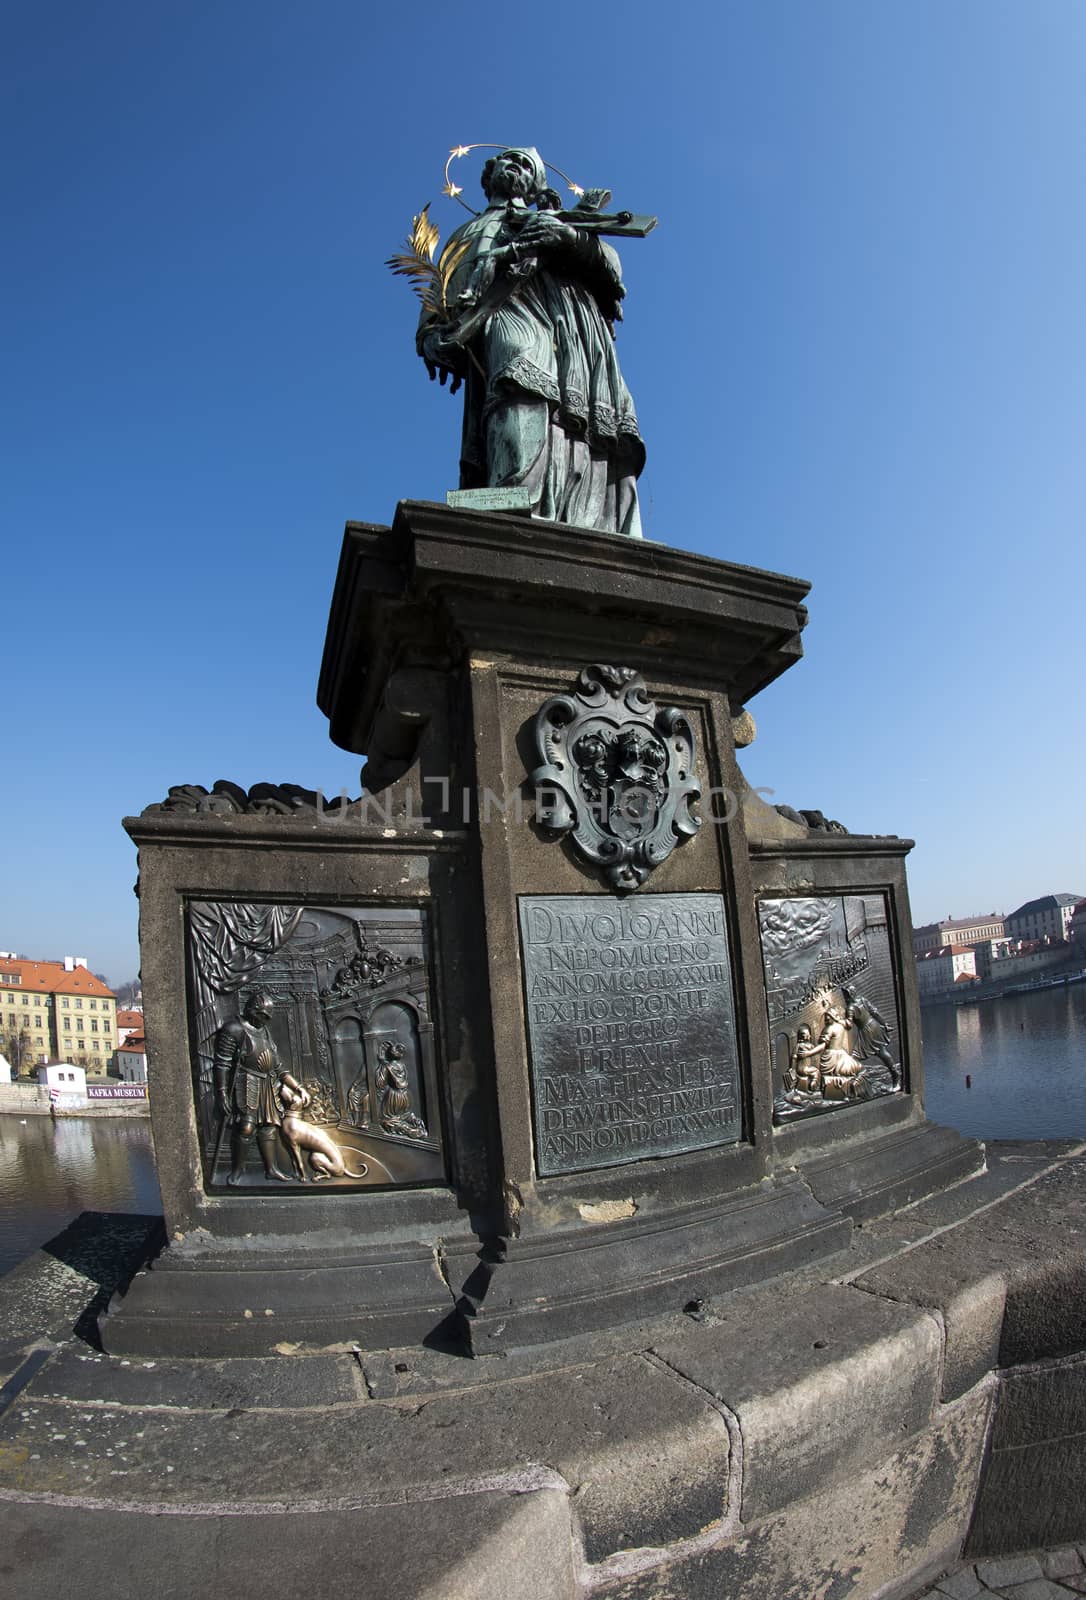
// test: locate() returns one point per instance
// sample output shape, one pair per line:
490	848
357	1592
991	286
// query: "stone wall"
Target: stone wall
24	1099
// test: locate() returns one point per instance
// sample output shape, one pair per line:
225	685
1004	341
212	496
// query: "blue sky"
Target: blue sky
855	341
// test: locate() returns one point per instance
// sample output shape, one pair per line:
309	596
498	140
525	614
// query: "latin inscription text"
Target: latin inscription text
631	1025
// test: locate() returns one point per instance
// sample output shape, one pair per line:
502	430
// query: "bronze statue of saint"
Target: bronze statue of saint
534	300
247	1074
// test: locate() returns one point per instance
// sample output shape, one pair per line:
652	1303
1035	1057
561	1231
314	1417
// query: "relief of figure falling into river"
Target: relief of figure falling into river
831	1001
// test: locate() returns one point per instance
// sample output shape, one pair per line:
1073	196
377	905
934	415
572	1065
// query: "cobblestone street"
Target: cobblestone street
1036	1575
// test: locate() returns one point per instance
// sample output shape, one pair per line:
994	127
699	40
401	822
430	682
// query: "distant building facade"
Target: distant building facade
132	1059
56	1010
957	933
1046	918
939	971
1021	963
129	1021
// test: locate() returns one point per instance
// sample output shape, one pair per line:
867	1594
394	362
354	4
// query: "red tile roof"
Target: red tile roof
49	977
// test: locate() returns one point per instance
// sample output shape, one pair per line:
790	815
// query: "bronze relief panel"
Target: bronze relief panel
831	998
312	1046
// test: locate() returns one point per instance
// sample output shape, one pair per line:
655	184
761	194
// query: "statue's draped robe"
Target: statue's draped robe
552	412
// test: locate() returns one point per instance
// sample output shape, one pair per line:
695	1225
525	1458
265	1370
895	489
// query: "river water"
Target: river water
1009	1069
1005	1069
51	1171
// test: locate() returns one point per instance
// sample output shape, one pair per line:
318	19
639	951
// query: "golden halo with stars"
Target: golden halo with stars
454	191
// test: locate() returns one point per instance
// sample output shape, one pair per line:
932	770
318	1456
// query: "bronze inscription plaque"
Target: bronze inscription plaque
631	1027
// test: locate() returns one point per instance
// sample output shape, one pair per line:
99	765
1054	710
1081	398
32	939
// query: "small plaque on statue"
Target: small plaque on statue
631	1028
512	499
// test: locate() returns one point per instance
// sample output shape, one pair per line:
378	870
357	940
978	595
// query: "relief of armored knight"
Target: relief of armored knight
312	1033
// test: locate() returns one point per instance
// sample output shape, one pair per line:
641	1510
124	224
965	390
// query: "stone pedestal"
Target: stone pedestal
607	1094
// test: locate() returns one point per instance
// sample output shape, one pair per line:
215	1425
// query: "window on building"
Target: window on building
64	1001
94	1005
26	999
79	1024
78	1004
94	1024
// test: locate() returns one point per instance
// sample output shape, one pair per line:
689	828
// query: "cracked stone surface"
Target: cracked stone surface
1055	1574
805	1437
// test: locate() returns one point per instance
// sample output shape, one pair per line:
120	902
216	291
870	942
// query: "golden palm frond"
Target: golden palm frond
417	262
424	234
451	257
429	279
405	266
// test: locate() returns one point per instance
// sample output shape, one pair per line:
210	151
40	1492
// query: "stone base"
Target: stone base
894	1172
604	1138
562	1285
201	1301
794	1440
206	1298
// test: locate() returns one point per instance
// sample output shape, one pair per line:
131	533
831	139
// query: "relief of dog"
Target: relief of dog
325	1156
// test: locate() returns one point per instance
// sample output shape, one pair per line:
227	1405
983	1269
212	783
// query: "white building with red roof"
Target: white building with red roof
129	1021
132	1059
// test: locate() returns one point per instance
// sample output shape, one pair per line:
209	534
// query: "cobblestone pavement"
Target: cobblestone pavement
1058	1574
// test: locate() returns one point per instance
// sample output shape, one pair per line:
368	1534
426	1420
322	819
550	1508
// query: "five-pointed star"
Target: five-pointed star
460	150
452	190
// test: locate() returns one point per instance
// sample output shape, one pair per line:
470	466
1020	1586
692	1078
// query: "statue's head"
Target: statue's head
803	1034
514	173
259	1006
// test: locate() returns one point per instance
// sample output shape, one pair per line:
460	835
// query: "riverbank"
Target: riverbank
31	1100
972	993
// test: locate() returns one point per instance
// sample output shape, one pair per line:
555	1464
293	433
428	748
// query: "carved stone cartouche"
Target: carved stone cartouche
616	774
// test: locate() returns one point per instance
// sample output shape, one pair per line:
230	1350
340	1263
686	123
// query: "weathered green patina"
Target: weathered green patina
532	304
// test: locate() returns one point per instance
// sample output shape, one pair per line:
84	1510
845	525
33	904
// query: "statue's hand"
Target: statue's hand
544	231
442	358
441	373
223	1104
